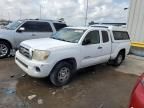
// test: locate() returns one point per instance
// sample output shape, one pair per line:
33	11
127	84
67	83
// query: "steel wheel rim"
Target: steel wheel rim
3	50
120	59
63	74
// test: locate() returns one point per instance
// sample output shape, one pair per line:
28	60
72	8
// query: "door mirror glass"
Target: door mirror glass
21	29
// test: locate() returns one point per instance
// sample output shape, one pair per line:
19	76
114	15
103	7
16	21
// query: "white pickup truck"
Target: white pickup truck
70	49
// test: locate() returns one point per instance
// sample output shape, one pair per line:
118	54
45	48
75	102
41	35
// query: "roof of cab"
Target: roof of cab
87	28
100	27
111	27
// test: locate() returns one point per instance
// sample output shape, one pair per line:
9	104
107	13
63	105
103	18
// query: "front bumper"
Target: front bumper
31	67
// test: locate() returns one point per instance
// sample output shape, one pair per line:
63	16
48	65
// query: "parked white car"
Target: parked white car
70	49
18	31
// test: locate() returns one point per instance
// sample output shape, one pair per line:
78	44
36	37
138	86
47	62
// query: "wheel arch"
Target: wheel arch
4	40
123	51
69	60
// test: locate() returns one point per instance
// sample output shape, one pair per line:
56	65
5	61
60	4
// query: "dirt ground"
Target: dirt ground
100	86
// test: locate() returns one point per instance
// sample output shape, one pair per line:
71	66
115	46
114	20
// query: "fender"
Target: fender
116	48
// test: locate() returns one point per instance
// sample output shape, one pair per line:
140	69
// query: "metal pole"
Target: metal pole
20	13
1	15
40	11
86	13
9	16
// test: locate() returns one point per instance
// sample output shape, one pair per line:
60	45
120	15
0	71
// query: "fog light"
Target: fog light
37	69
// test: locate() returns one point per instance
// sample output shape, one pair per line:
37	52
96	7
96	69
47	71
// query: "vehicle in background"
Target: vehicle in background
18	31
70	49
137	96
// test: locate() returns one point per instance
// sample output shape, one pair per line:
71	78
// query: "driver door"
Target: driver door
25	32
91	49
32	30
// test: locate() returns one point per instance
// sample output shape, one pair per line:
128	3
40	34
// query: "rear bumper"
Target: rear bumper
33	68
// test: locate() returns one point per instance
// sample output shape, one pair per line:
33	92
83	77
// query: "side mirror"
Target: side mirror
86	42
21	29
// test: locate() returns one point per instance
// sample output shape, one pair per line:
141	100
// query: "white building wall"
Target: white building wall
136	21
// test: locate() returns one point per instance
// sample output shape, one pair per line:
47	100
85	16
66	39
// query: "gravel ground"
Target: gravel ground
100	86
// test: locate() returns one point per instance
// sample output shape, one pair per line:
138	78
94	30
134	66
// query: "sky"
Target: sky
73	11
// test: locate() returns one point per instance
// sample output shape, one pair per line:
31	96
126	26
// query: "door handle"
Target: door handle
100	47
33	34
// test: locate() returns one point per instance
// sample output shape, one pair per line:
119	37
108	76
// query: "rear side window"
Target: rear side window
34	26
105	36
45	27
121	35
59	26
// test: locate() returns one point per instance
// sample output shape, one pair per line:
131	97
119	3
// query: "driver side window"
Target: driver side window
36	26
29	26
93	37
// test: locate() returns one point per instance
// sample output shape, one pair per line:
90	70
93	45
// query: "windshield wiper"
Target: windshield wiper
63	40
60	39
5	27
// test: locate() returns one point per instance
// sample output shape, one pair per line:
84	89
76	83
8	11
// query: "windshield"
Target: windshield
14	25
69	35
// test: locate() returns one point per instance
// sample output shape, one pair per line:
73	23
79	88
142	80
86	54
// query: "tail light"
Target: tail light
139	80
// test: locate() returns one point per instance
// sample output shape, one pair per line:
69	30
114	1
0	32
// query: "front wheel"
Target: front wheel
61	74
4	49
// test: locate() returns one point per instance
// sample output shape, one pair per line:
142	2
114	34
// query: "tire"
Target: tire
119	59
4	49
61	74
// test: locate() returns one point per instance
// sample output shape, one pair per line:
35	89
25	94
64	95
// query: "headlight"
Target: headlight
40	55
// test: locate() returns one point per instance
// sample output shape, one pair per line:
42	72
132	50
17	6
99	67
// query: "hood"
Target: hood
46	44
5	32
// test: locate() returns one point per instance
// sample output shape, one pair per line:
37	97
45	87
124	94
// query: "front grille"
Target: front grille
25	52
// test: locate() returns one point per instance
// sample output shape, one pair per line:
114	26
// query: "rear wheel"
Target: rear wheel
61	74
4	49
119	59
